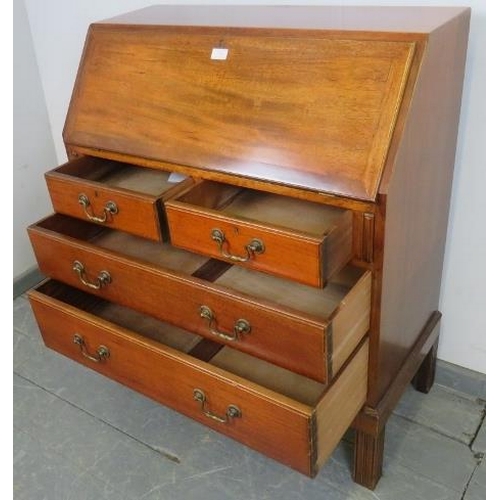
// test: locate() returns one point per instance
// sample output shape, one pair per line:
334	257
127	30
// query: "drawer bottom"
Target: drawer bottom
286	416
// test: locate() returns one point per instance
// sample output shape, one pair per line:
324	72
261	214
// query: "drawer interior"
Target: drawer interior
160	254
267	208
320	304
121	175
290	384
317	302
280	380
159	331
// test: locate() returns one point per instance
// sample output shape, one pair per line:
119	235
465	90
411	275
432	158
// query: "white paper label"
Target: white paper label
219	54
176	177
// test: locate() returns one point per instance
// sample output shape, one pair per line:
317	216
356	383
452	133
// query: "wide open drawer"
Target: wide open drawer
279	413
310	331
297	239
114	194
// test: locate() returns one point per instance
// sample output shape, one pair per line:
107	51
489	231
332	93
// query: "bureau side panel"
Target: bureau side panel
416	191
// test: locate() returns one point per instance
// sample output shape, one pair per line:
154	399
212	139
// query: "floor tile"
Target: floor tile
135	469
427	452
23	318
477	485
461	380
42	473
443	410
243	473
398	481
62	428
89	445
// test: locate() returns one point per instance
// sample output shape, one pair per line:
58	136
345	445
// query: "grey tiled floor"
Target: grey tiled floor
78	435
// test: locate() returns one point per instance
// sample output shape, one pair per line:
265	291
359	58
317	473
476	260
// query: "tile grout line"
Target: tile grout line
462	394
168	456
470	478
429	428
483	417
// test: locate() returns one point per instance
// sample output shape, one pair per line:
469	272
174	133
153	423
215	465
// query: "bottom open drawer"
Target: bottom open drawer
285	416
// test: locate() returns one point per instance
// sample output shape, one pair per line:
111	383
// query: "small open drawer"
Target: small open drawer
114	194
285	416
297	239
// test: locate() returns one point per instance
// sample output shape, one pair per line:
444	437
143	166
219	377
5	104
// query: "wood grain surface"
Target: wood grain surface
301	109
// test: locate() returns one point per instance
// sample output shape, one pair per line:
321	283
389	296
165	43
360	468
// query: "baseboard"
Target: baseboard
27	280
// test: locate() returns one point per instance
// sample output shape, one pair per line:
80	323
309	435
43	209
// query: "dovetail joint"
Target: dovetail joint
313	444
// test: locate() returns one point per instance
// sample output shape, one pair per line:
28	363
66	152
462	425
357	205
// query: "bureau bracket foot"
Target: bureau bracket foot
424	378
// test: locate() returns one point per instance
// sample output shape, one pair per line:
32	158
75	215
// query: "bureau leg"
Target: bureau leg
424	378
368	458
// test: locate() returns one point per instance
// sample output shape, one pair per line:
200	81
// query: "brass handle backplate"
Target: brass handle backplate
110	208
241	326
102	352
103	278
255	246
232	410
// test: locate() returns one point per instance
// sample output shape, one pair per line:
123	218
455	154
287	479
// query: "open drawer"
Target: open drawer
285	416
296	239
114	194
307	330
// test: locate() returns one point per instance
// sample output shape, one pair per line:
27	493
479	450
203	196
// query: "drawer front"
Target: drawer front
285	255
136	212
258	237
276	334
273	425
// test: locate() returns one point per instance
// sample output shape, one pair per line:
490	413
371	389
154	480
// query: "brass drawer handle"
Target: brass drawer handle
232	410
102	352
255	246
110	208
241	326
104	278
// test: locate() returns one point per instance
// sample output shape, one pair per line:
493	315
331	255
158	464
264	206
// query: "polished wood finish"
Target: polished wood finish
415	195
372	419
317	244
368	458
352	108
278	425
179	112
173	295
137	192
261	185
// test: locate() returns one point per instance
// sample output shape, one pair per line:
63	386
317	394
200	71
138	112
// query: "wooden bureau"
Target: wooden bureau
250	226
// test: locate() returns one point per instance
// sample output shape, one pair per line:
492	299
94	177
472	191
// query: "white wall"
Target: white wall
59	28
34	150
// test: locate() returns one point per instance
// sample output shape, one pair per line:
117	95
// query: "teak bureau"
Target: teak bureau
250	228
